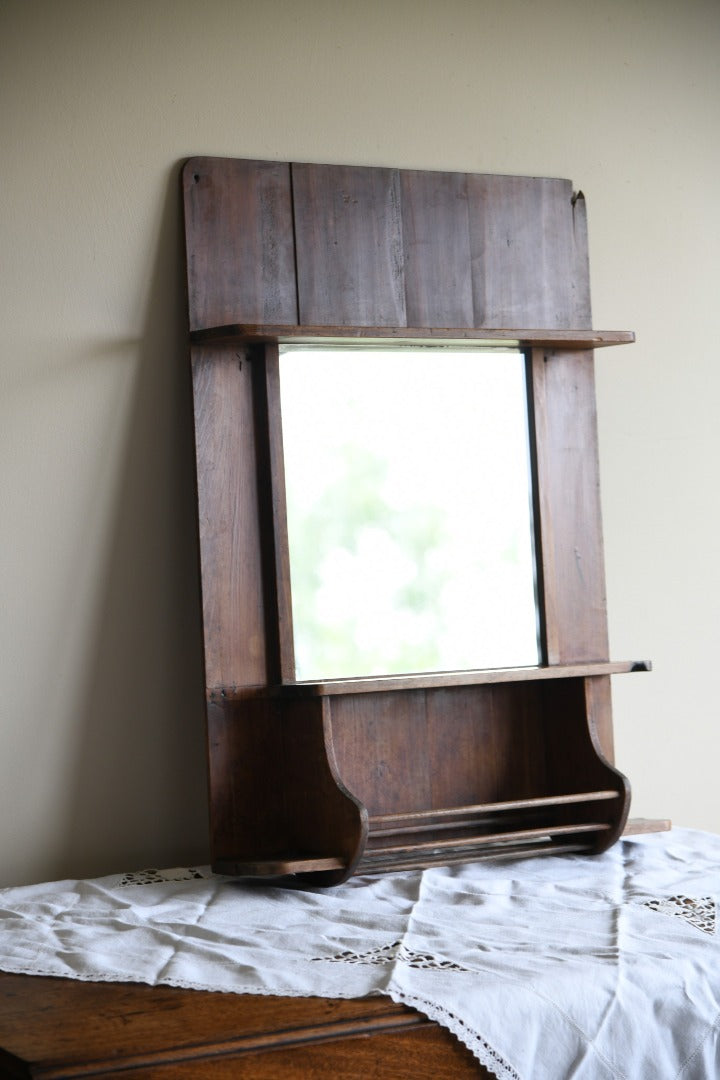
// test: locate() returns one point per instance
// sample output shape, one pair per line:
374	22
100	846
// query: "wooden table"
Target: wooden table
52	1027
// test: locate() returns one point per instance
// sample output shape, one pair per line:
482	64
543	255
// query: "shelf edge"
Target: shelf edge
428	680
251	333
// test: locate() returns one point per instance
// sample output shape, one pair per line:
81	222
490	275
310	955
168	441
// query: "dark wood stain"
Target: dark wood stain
349	245
244	269
56	1028
230	542
315	781
436	244
523	251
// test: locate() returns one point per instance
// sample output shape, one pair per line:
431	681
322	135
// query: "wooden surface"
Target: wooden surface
55	1028
349	247
244	211
232	561
382	247
60	1028
568	493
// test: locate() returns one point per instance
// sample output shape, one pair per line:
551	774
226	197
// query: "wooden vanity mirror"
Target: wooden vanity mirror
409	508
347	762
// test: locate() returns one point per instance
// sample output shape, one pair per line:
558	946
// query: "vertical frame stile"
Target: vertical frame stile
233	604
279	514
571	582
540	590
543	521
569	506
273	515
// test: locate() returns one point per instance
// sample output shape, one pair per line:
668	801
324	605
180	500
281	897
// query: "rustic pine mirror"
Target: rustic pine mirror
436	740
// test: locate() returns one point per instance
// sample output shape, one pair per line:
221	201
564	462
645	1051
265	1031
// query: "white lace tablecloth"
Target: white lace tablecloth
563	966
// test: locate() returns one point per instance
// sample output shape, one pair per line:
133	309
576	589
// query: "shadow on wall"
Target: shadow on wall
139	796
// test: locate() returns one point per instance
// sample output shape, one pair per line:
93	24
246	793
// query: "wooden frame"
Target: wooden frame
313	782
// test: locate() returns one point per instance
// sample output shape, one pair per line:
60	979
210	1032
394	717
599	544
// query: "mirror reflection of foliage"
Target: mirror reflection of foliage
387	557
409	516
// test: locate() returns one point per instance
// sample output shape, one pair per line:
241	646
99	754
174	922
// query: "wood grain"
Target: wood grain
244	268
230	544
275	792
436	246
272	514
381	749
53	1028
524	251
569	515
248	807
349	245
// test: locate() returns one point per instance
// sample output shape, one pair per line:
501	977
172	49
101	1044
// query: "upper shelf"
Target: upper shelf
245	333
433	679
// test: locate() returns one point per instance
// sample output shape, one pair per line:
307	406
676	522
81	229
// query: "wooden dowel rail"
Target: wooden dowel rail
542	845
490	838
482	808
471	817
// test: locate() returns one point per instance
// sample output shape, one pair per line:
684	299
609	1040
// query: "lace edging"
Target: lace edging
177	983
488	1057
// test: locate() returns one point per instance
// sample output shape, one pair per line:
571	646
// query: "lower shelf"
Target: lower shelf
515	845
318	787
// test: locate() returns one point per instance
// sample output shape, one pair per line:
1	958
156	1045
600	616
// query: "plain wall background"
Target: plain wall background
101	727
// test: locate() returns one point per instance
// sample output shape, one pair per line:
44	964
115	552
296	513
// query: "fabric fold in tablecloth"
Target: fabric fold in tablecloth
605	967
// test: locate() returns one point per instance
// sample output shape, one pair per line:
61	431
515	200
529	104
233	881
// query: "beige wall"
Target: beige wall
101	744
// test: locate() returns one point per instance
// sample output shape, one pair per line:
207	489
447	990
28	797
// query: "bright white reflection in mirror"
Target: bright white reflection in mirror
409	509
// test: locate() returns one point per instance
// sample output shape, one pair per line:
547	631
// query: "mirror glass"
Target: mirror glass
409	509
